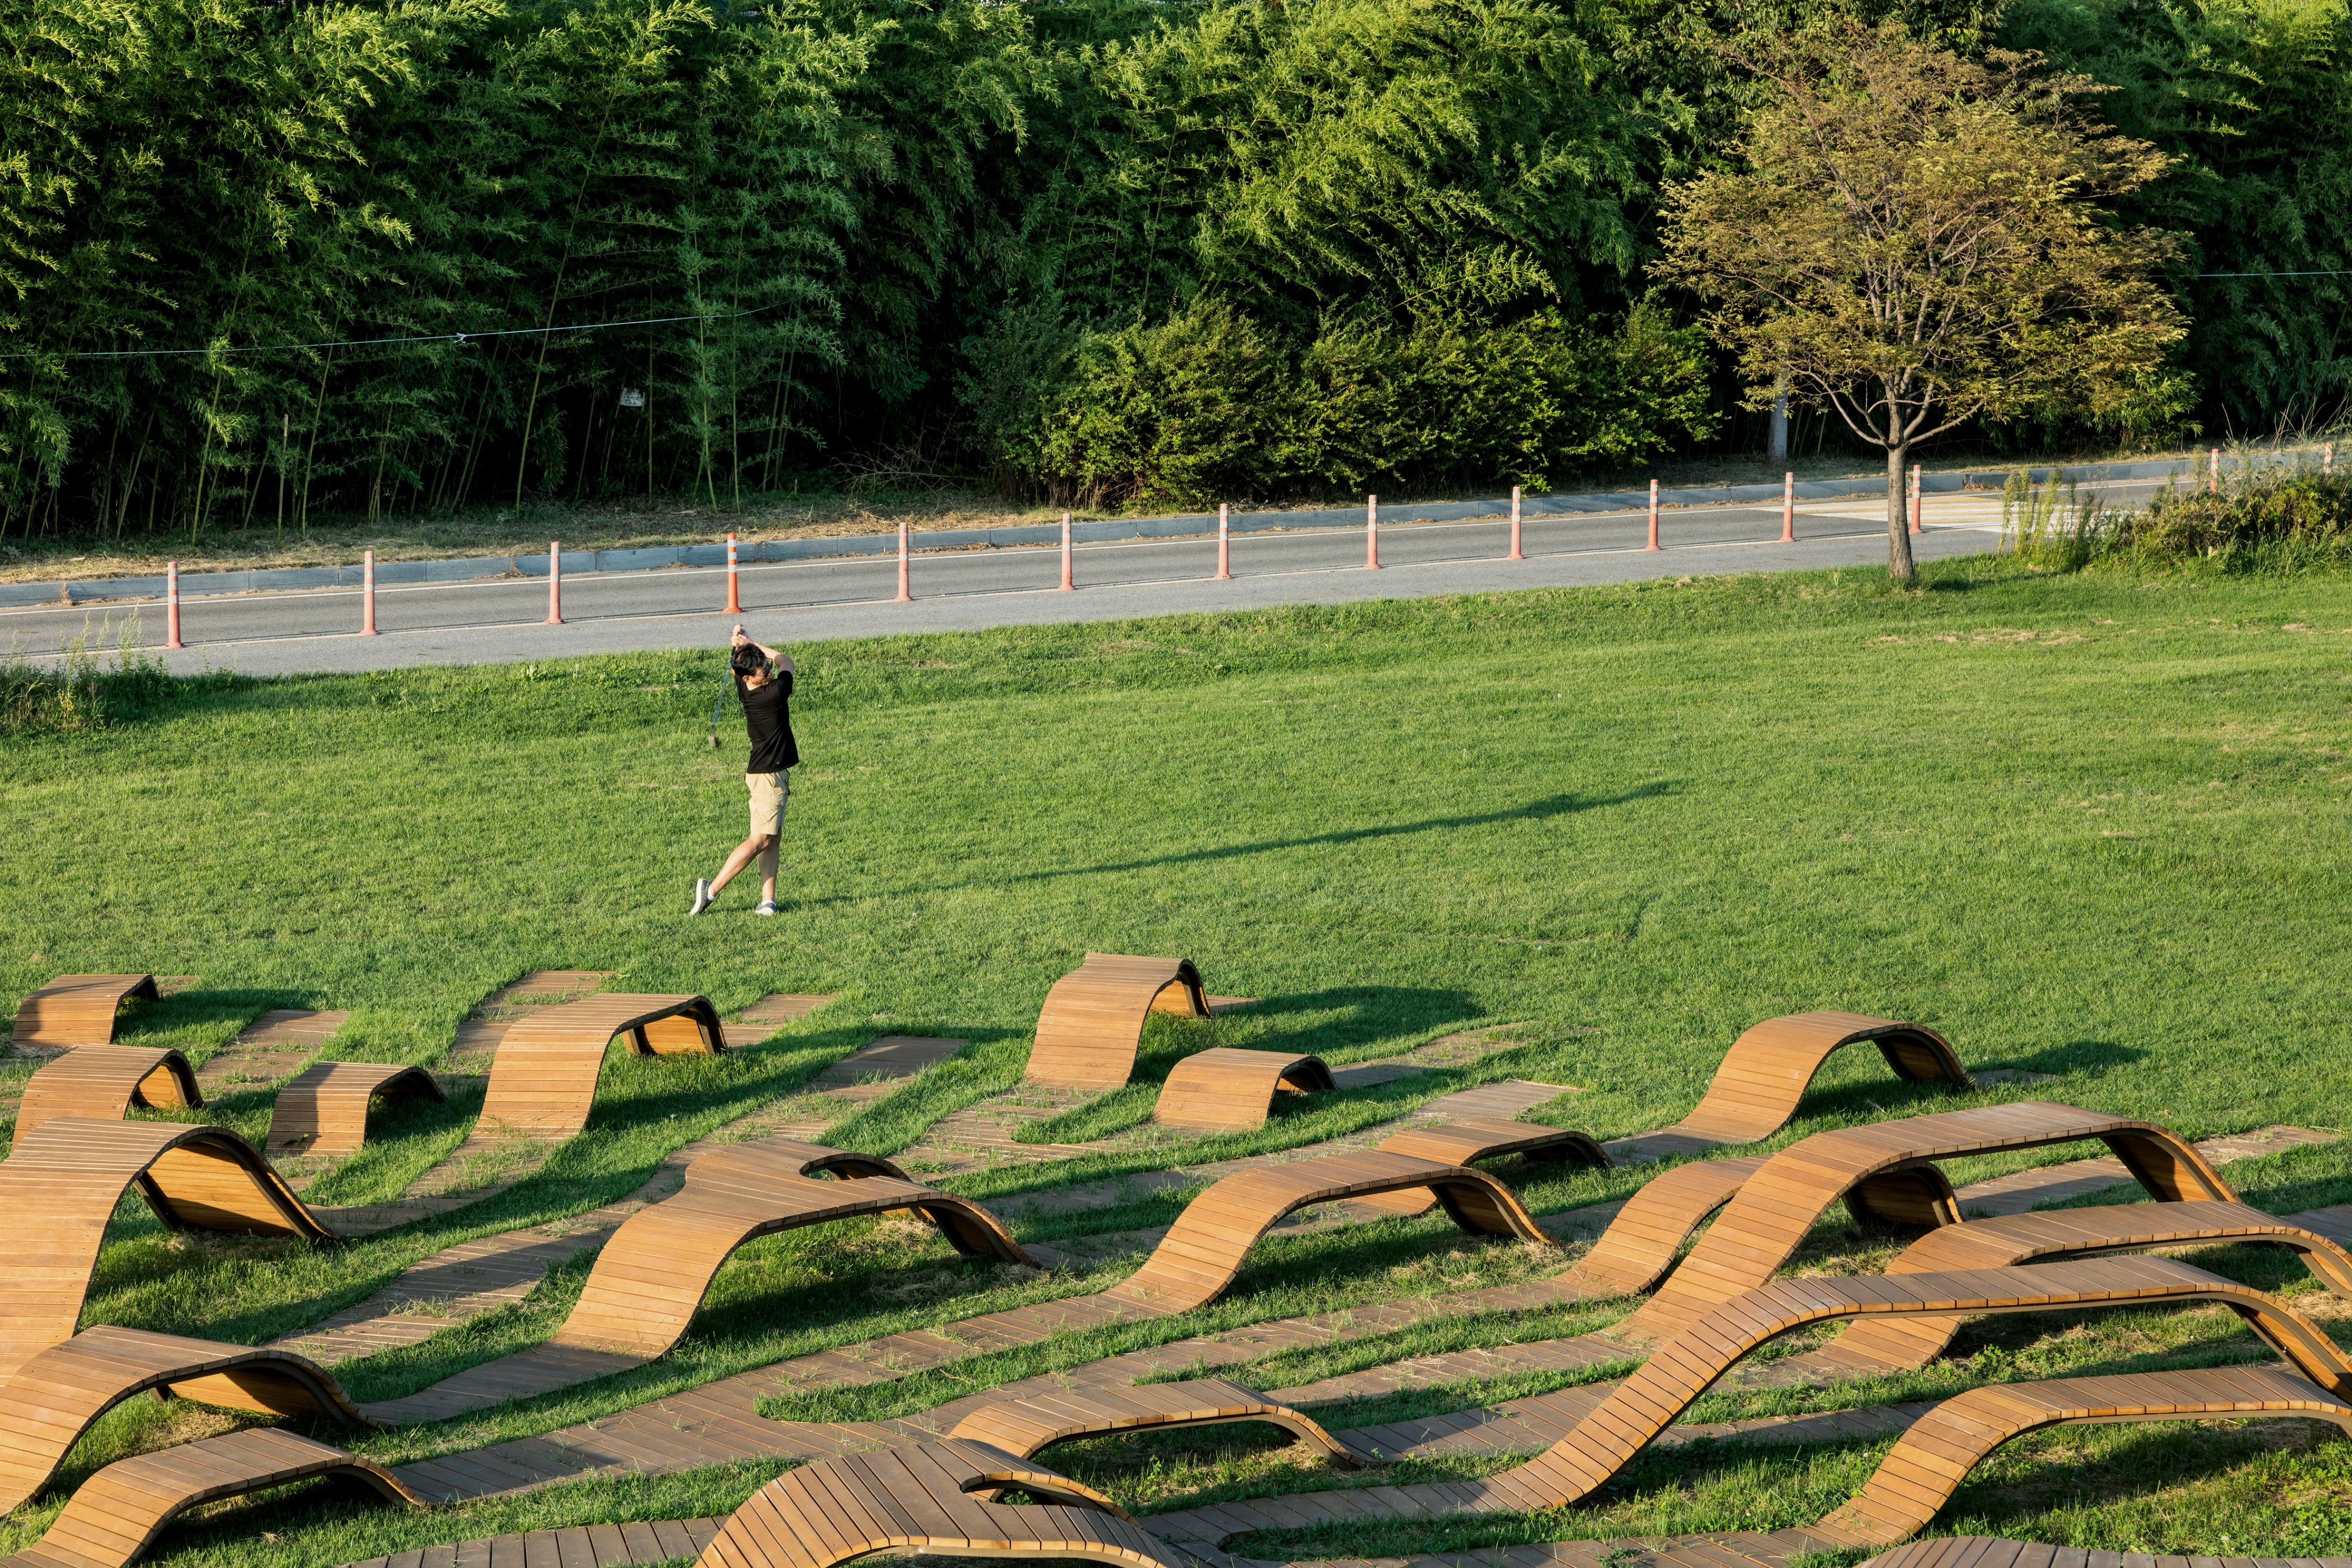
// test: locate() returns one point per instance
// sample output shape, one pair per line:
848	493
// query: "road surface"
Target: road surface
502	619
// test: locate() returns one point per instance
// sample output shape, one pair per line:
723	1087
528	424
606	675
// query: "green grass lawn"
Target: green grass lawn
2093	826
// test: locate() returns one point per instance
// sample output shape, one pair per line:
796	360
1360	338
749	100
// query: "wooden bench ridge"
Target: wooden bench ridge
106	1081
1206	1247
59	1189
1902	1344
1931	1459
793	1156
1092	1021
325	1110
1767	1219
78	1009
1224	1089
1472	1139
1026	1427
1767	1070
1996	1552
114	1515
543	1078
921	1498
58	1394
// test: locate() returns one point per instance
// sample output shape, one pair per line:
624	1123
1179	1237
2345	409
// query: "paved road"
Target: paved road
501	619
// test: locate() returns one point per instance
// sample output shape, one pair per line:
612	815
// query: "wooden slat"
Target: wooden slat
325	1111
1093	1018
1472	1139
106	1081
60	1393
1228	1090
543	1079
1025	1427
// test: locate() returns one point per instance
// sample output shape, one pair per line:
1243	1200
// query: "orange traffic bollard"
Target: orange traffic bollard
1788	508
1919	500
1066	584
734	598
2213	472
1514	555
554	583
367	594
1371	533
1224	546
1654	516
904	595
172	606
2327	457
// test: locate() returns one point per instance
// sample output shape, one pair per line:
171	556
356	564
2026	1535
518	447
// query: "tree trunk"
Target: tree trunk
1898	522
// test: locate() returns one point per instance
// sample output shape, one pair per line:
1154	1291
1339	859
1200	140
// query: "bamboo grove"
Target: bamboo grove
265	261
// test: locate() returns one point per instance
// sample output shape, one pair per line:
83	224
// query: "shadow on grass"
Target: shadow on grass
2089	1059
1533	811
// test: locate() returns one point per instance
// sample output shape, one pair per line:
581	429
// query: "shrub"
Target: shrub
2276	519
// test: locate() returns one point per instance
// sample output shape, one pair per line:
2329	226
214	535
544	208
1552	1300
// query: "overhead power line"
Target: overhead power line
381	342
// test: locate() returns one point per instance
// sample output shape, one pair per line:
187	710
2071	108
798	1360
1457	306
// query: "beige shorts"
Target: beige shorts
769	794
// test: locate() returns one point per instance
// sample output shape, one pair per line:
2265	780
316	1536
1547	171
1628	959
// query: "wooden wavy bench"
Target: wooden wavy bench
1228	1090
60	1187
325	1111
649	1280
106	1081
1204	1249
1025	1427
1900	1345
60	1393
1092	1021
115	1515
1767	1070
813	1160
78	1009
543	1079
1930	1461
1617	1429
1472	1139
920	1497
1766	1220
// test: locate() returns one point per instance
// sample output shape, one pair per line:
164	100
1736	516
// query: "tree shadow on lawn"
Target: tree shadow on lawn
190	1011
1533	811
2085	1058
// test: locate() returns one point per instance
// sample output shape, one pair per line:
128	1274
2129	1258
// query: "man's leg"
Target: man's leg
769	858
762	845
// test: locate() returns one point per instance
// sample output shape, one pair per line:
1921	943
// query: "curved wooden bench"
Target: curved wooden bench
106	1081
1899	1345
1205	1247
60	1393
325	1111
543	1079
59	1188
1228	1090
793	1157
920	1497
115	1514
1616	1430
1767	1219
1931	1459
1472	1139
78	1009
1639	1246
1092	1021
1767	1070
1023	1427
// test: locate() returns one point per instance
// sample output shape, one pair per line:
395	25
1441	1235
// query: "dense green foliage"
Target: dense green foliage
1094	246
2269	520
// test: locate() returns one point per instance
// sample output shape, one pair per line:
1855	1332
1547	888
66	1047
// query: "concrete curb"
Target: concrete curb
475	567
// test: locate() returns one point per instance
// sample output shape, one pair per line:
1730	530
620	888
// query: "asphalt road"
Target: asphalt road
502	619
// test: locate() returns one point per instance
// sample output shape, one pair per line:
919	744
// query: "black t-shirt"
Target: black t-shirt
768	715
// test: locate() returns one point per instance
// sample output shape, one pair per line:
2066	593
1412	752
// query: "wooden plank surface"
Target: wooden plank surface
325	1111
1092	1021
106	1081
1228	1090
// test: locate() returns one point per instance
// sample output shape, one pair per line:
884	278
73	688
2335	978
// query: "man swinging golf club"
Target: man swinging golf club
763	684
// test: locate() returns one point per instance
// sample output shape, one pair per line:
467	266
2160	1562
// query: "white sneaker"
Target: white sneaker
703	895
767	906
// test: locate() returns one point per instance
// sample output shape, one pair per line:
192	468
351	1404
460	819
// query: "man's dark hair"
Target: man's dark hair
748	662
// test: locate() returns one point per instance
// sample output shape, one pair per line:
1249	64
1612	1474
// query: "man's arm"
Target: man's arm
782	661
